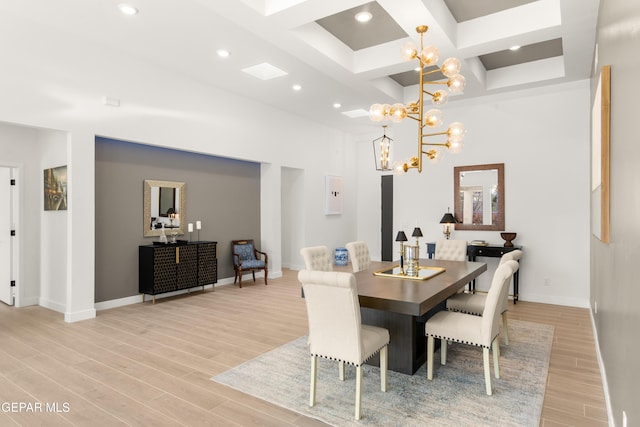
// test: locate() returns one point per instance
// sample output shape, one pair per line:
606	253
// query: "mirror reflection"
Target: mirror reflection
479	197
164	204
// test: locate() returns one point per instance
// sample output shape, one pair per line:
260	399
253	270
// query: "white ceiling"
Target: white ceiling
183	36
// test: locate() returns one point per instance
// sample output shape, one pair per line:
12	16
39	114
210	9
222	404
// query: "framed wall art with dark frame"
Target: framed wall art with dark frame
600	149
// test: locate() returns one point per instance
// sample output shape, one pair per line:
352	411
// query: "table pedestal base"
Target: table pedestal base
407	347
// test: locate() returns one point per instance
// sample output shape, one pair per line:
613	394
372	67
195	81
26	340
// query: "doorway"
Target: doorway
8	259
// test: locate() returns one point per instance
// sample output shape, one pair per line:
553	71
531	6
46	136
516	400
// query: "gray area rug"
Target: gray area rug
455	397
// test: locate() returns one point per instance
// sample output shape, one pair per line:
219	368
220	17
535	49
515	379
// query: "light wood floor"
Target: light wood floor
151	365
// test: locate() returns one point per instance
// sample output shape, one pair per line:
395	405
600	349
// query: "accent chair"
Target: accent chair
246	257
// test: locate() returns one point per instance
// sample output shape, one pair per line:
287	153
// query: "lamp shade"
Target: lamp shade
401	237
448	218
417	232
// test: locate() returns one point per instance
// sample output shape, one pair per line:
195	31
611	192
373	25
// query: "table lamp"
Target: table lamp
447	220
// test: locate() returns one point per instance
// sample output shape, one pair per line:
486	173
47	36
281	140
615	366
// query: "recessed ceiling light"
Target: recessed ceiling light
514	48
297	87
223	53
363	16
127	9
337	105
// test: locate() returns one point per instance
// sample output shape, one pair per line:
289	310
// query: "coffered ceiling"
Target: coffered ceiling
318	45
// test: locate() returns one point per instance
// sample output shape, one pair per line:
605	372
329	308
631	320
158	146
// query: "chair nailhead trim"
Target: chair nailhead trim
461	341
351	363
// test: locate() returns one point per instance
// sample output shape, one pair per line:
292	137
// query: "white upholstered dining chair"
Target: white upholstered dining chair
359	255
335	328
481	331
451	250
317	258
473	303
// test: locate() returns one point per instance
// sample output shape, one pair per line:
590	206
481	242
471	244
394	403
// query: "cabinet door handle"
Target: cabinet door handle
177	255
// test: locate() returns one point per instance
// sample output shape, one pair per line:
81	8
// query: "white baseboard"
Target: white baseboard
79	315
135	299
555	300
603	373
52	305
24	302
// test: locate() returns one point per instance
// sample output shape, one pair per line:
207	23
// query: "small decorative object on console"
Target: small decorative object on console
478	243
342	256
508	237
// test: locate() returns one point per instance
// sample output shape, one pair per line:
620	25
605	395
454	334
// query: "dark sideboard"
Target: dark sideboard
176	266
491	251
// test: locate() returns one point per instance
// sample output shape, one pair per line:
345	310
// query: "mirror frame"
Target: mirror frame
146	215
457	208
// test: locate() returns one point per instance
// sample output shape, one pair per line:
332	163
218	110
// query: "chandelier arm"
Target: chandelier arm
437	70
434	82
435	134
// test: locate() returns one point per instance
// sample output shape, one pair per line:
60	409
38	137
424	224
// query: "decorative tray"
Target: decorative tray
424	272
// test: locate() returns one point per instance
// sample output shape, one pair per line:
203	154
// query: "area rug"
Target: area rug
455	397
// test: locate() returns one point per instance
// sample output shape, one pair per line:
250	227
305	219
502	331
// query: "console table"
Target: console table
491	251
176	266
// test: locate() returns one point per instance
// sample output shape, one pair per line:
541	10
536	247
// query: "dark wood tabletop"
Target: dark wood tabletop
414	297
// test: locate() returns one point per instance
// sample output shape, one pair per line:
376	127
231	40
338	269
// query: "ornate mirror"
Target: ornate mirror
478	194
164	203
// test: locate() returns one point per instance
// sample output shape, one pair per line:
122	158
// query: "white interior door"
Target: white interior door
6	258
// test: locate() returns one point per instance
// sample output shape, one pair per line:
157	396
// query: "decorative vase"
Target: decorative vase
163	237
342	256
508	237
411	260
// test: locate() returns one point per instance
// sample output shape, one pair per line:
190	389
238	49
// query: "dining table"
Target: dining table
402	304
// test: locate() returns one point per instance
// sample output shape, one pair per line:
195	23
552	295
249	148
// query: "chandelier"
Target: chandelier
427	56
382	151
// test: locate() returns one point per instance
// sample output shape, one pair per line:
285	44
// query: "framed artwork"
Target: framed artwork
55	189
333	195
600	148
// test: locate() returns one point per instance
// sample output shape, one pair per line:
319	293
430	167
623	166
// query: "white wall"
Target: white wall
542	137
53	228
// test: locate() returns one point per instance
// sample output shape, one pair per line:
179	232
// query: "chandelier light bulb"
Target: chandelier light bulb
435	155
433	118
376	113
451	67
399	167
440	97
429	55
455	146
408	51
456	83
397	113
456	132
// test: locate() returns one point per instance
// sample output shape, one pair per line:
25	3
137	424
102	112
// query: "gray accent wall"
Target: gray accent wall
614	273
222	193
